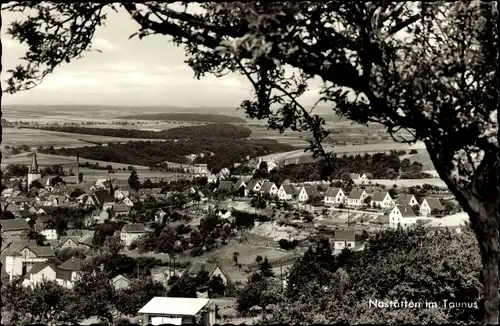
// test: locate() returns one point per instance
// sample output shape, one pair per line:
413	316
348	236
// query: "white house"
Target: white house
21	257
430	204
356	197
334	196
344	239
307	192
402	215
131	232
178	311
381	200
287	192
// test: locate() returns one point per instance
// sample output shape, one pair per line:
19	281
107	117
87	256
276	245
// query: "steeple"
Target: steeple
34	165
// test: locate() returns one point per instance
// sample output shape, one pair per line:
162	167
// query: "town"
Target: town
214	230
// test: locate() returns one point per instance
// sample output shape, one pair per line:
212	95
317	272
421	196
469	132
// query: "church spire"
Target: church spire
34	164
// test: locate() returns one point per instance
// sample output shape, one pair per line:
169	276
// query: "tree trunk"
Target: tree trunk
480	200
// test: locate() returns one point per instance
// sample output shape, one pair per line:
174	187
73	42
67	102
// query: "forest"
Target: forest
219	151
210	131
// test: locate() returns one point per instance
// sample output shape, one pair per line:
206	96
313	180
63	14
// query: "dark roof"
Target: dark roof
311	191
434	203
238	184
332	192
379	196
47	209
72	264
290	189
65	238
42	251
252	183
403	199
406	211
356	193
63	274
120	208
14	225
134	228
266	186
25	213
103	196
344	235
199	266
225	185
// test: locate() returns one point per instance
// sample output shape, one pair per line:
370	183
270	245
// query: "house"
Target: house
430	205
334	196
241	188
402	215
131	232
69	242
72	269
43	228
21	257
178	311
121	194
47	210
212	269
269	188
307	192
356	197
344	239
359	178
127	201
254	186
120	282
86	240
104	199
40	272
14	229
121	210
405	199
381	200
225	186
287	192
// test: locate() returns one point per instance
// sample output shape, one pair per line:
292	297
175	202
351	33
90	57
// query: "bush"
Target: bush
288	245
413	151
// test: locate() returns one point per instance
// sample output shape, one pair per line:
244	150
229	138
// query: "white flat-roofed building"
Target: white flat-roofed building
177	311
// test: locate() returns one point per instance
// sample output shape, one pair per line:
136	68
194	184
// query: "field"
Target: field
35	138
197	117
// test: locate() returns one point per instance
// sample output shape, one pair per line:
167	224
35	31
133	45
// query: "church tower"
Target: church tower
33	172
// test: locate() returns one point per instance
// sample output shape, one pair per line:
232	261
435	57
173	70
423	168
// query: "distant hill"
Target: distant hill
195	117
221	130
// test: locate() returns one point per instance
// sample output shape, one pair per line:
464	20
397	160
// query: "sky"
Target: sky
134	72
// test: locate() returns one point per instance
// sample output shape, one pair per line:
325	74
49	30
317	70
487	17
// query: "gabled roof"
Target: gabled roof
133	228
73	264
119	277
86	239
403	199
344	235
40	251
16	224
47	209
252	183
266	186
356	193
354	176
64	238
156	190
332	192
434	203
238	184
37	267
289	189
311	191
379	196
199	266
103	196
406	211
